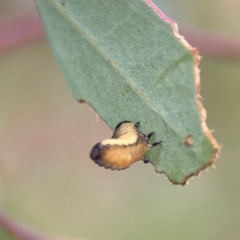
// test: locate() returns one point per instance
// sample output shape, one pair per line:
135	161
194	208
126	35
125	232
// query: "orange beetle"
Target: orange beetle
127	146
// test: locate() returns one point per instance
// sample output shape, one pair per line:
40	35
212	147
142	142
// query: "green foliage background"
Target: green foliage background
48	181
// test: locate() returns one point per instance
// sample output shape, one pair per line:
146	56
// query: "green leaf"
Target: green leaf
126	59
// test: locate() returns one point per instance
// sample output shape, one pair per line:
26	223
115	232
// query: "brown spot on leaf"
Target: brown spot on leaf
63	3
81	101
189	141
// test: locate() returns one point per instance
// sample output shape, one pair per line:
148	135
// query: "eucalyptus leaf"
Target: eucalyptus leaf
126	59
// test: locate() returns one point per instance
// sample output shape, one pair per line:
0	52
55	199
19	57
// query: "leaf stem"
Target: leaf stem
22	29
18	30
17	230
22	232
213	45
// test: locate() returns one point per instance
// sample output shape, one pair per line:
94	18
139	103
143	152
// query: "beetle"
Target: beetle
127	146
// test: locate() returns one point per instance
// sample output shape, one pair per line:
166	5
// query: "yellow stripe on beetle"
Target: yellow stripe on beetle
127	146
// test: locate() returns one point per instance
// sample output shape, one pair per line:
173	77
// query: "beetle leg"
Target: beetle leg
137	124
156	144
150	135
145	160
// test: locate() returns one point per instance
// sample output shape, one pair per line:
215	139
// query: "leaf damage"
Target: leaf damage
189	140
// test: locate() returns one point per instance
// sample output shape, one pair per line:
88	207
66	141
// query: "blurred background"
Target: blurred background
47	180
